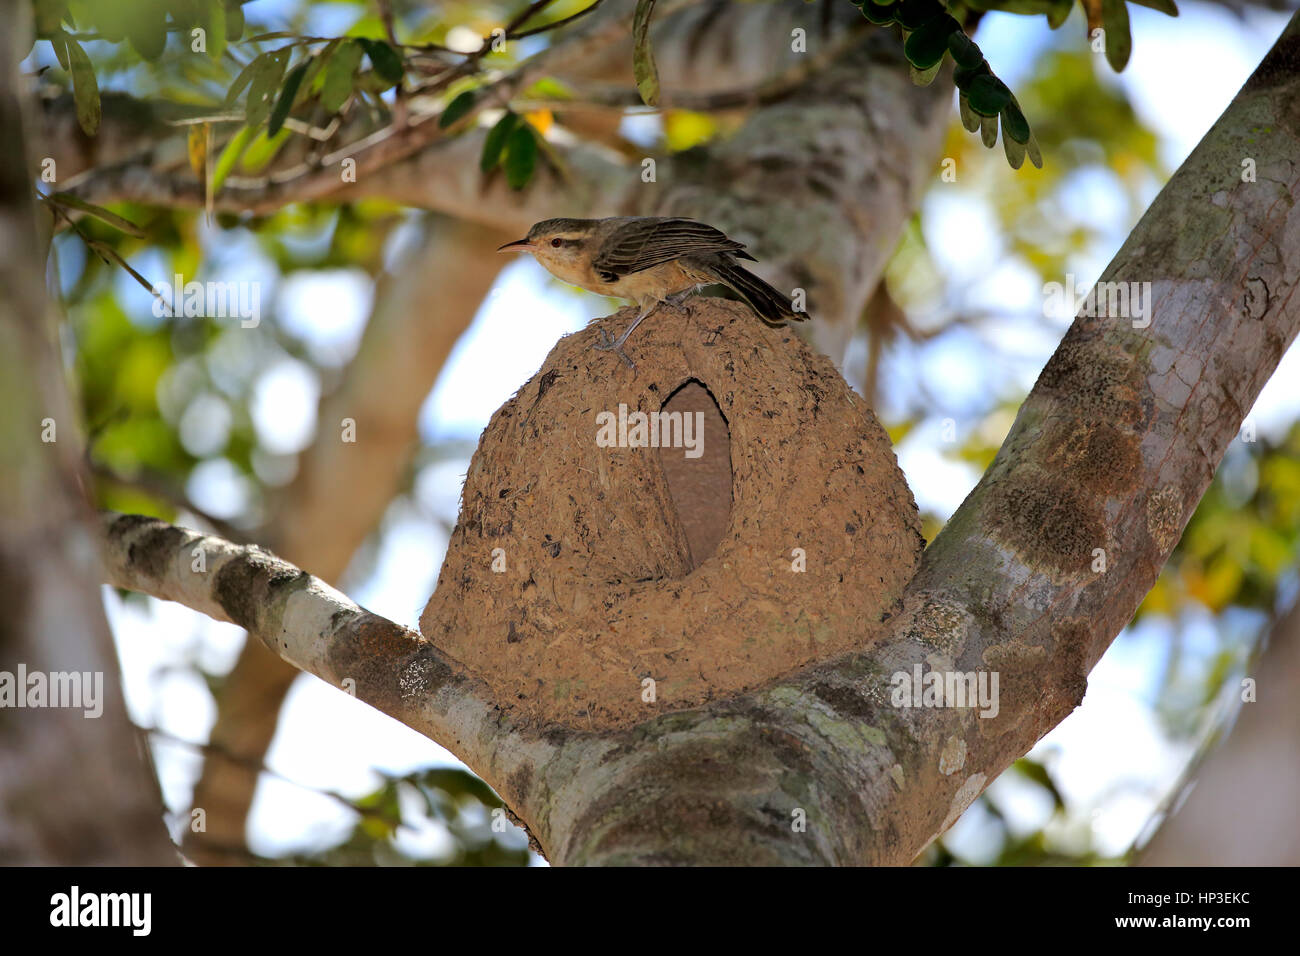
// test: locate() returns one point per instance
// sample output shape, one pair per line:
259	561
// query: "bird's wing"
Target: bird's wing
643	243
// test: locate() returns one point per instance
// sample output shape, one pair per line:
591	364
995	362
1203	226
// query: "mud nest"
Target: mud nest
570	585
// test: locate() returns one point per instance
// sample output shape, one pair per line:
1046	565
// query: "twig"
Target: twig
257	766
156	484
555	24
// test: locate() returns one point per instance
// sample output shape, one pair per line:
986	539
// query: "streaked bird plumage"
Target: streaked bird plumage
650	260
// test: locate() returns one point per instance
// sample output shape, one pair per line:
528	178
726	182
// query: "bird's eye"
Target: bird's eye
557	243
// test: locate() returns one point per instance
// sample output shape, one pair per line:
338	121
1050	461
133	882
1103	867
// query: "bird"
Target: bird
649	260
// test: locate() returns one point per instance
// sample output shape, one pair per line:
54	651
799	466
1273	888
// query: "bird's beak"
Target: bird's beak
519	245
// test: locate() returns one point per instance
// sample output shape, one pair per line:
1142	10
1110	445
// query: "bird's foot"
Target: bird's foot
678	300
607	343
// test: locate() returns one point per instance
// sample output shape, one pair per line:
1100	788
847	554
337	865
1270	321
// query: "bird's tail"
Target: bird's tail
769	304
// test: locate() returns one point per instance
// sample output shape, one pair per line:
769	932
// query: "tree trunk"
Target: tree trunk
75	787
1239	809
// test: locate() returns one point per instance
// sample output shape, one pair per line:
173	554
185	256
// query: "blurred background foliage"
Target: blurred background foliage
178	409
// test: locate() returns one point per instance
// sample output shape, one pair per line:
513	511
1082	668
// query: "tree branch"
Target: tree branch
342	489
316	628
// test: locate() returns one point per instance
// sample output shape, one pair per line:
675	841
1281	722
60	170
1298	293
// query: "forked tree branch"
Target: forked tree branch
1108	457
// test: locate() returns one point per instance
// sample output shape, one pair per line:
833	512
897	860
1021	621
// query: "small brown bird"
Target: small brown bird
650	260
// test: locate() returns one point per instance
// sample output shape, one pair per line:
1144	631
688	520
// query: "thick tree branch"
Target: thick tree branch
306	622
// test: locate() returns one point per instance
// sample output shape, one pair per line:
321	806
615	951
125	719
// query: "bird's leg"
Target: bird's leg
677	298
609	344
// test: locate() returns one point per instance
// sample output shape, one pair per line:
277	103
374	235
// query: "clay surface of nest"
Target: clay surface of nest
569	585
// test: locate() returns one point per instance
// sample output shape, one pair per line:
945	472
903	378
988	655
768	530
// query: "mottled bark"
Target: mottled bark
75	787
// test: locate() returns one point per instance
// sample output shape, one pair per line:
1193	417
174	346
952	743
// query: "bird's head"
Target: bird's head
561	245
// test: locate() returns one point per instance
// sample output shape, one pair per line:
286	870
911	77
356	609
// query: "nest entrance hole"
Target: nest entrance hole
698	471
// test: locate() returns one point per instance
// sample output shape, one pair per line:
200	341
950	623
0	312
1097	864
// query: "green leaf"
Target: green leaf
962	76
1015	151
521	156
495	141
548	88
263	149
924	77
914	14
60	44
287	95
386	61
261	92
315	65
1014	123
643	61
457	108
110	255
99	212
243	79
965	52
1058	12
48	13
456	784
85	89
988	95
146	28
1119	41
1164	6
881	16
1035	154
1036	772
989	130
339	73
925	47
215	25
969	118
230	155
234	22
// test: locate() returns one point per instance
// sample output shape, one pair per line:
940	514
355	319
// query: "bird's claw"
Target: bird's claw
607	343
